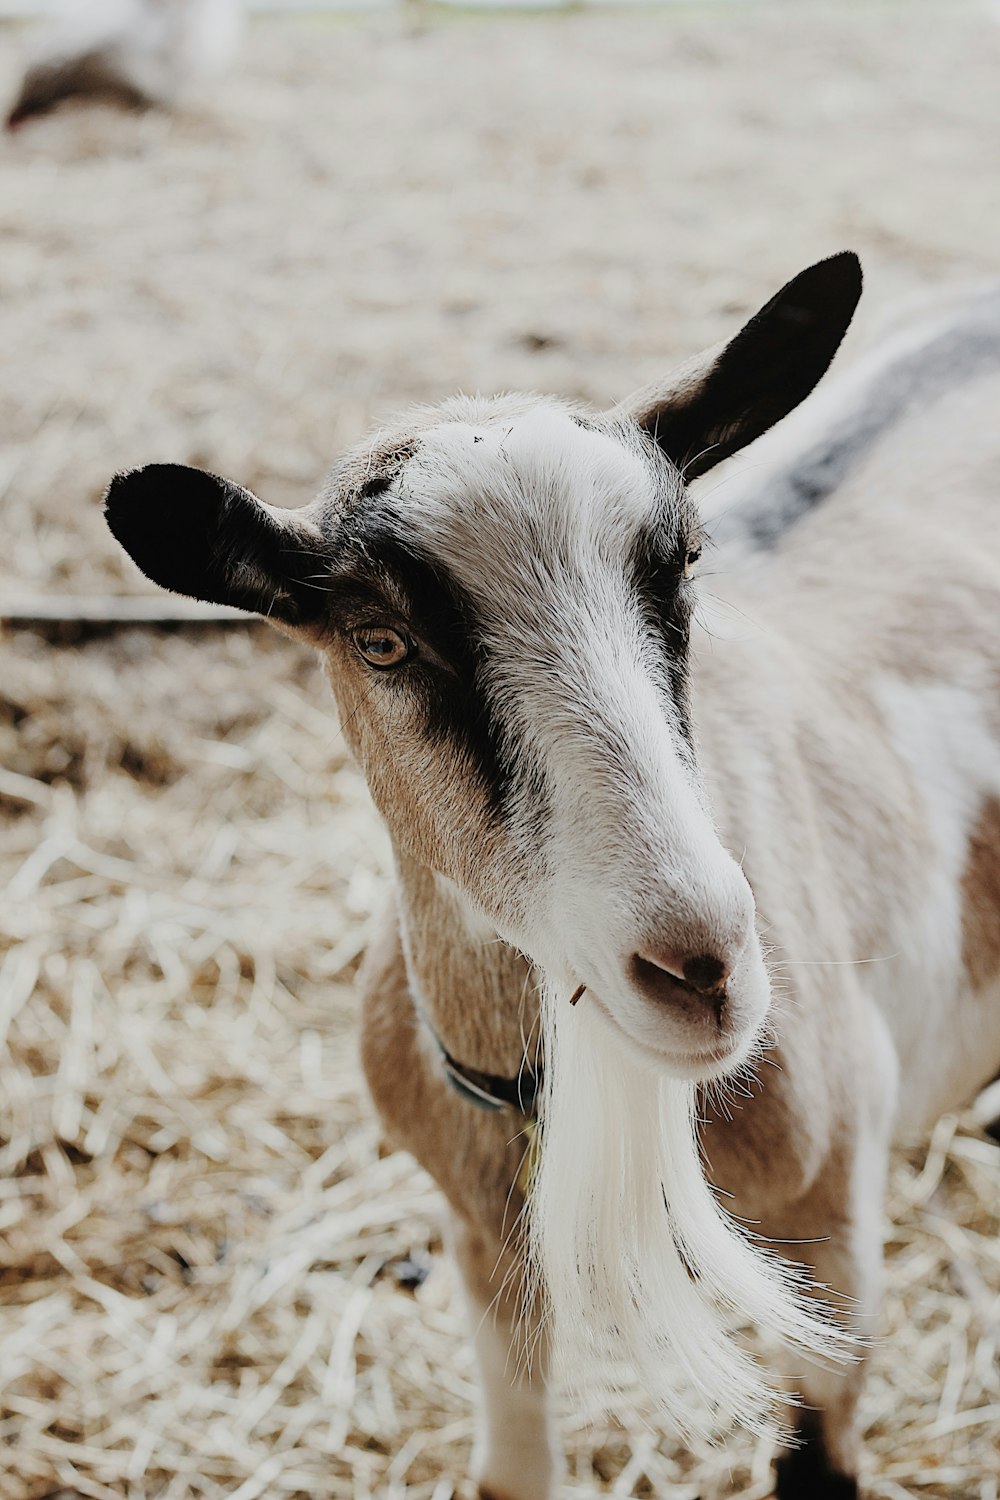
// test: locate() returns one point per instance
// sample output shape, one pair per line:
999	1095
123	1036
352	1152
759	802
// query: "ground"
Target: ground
205	1259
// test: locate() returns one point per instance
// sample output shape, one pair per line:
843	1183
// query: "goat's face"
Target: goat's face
503	596
509	606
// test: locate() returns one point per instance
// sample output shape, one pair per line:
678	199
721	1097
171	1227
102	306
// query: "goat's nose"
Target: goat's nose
661	975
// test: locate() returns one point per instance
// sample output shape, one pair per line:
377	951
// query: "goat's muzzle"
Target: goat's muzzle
667	977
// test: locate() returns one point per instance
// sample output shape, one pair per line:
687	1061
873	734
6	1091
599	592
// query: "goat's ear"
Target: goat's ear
728	396
206	537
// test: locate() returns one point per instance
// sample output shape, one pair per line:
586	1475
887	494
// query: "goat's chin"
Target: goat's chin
640	1267
670	1060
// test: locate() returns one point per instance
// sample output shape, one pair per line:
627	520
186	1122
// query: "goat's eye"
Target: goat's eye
381	647
690	560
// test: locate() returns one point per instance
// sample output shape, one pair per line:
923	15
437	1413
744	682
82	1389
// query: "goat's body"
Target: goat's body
573	768
861	659
848	696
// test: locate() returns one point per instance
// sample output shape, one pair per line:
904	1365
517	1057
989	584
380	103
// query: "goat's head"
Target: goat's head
503	592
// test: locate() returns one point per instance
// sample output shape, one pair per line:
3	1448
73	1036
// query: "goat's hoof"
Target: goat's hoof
805	1474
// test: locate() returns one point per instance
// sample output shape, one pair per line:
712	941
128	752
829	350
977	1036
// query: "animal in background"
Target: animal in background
131	52
689	924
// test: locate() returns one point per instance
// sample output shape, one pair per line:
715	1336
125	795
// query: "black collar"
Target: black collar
487	1090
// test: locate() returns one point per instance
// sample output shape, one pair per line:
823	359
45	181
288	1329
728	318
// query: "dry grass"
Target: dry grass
204	1256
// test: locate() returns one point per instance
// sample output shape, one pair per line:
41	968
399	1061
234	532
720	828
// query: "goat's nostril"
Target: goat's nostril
705	972
666	977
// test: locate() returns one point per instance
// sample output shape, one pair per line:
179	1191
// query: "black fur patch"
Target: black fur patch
374	568
384	469
366	473
667	602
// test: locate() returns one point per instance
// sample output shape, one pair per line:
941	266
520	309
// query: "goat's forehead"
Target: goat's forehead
526	477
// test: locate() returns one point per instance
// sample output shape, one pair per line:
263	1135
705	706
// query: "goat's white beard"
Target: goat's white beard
637	1263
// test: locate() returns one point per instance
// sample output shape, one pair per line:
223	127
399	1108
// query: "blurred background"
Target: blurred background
213	1283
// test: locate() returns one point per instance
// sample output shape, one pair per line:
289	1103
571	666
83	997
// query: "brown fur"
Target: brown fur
474	1156
406	773
981	900
481	1000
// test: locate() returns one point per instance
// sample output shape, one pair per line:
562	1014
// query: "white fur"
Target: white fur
639	1261
515	1452
950	1035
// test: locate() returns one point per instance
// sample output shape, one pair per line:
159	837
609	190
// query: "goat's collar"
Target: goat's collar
486	1090
489	1090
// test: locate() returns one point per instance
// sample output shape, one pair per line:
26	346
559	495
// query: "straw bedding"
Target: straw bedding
212	1280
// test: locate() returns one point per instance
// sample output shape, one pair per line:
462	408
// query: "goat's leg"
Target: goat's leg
846	1257
516	1456
825	1464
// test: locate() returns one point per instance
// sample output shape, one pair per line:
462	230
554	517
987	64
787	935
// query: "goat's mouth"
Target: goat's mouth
695	1064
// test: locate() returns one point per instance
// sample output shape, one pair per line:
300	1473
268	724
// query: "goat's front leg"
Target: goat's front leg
516	1456
824	1465
844	1253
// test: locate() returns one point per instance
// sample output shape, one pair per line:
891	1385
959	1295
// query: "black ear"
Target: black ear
730	395
203	536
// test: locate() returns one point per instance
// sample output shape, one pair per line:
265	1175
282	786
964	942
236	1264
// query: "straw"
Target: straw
204	1249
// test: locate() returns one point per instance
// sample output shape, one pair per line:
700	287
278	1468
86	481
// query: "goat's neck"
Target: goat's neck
476	992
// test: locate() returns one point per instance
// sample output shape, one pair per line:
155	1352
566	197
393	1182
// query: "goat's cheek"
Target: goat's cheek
401	778
350	702
435	810
374	741
432	814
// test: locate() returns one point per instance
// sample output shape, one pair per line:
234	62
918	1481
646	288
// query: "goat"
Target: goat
132	52
778	844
